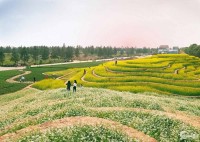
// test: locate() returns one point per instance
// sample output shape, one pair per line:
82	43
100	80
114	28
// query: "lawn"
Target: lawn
6	87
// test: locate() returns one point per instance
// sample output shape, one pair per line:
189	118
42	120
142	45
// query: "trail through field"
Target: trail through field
60	77
191	120
93	72
13	79
83	77
73	121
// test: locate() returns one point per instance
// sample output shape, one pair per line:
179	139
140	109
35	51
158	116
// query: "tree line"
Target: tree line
193	49
66	53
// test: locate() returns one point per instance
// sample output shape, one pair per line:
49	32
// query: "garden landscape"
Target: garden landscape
99	71
143	99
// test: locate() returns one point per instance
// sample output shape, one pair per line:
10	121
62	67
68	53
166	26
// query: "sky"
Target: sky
127	23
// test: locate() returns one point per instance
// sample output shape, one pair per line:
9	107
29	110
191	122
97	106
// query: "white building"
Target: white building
164	49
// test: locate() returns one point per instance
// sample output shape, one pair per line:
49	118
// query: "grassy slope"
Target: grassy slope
37	71
32	107
148	76
9	87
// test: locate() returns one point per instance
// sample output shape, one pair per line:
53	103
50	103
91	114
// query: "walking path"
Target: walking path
11	68
13	79
80	121
83	77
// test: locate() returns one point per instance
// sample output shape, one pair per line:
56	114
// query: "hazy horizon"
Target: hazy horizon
127	23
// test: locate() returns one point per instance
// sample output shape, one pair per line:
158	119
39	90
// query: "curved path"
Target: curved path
81	121
83	77
13	79
191	120
65	75
93	72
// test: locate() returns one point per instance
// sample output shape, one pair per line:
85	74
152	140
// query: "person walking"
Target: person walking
74	86
22	79
68	85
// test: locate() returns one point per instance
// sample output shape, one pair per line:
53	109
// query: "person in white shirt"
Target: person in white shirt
74	86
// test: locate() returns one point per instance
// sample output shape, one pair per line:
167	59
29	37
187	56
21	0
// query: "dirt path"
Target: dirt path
65	75
93	72
11	68
13	79
80	121
83	77
191	120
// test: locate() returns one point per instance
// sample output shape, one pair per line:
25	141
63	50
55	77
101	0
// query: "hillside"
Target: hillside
175	74
97	114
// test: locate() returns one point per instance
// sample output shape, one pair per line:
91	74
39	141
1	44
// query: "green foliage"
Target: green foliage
193	49
15	56
2	56
6	87
24	56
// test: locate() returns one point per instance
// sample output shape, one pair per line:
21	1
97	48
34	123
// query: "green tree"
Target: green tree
24	55
45	53
35	53
77	51
69	53
15	56
2	56
121	51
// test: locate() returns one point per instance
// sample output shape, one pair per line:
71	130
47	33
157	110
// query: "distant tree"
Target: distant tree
77	51
2	56
115	51
69	53
85	51
63	52
35	53
8	49
45	53
15	56
99	51
92	50
54	52
193	49
121	51
24	55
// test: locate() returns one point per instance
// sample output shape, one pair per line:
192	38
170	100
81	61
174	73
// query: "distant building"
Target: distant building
164	49
174	50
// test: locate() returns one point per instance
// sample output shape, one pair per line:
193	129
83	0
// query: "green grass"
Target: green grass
38	71
6	87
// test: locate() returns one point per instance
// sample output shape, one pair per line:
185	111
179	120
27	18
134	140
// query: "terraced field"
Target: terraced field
152	103
164	74
93	114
